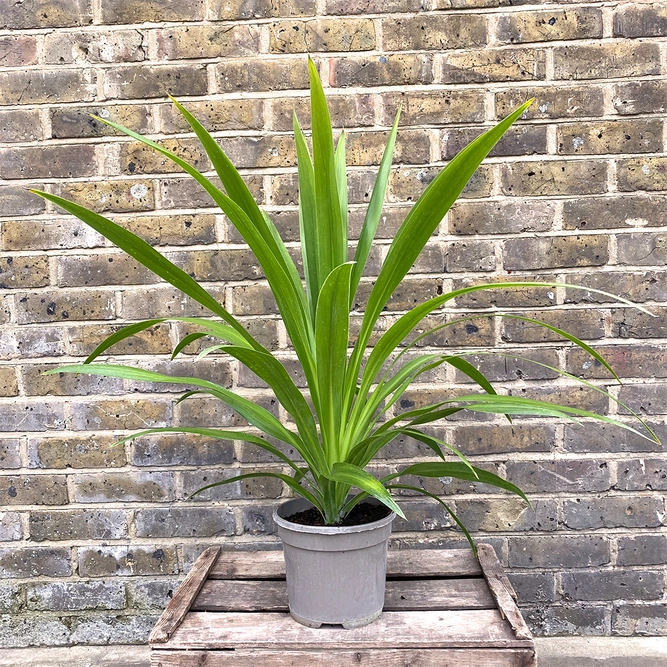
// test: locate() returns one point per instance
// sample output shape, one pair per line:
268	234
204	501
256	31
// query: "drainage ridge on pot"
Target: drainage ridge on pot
335	574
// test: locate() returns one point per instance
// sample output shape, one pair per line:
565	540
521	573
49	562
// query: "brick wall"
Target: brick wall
94	539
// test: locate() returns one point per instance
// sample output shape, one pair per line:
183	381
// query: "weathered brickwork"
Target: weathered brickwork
94	538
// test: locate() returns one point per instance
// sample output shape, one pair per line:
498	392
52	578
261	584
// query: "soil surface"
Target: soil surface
360	514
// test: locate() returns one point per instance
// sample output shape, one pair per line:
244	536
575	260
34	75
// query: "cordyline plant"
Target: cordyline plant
351	389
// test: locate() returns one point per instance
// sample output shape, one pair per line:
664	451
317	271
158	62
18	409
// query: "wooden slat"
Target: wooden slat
395	629
489	562
249	565
437	594
401	595
469	657
420	563
179	605
407	563
235	595
502	590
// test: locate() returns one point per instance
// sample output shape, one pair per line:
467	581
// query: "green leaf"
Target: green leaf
369	411
258	232
468	369
424	492
365	451
374	211
240	194
405	324
590	385
308	219
209	350
185	341
518	405
435	445
341	180
254	414
568	336
212	328
458	471
150	258
269	369
331	341
355	476
289	481
420	223
419	416
331	228
218	434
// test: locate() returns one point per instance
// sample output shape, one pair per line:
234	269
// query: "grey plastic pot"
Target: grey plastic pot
335	574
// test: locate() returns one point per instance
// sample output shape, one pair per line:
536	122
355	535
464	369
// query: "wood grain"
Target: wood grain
398	629
401	595
469	657
179	605
502	590
407	563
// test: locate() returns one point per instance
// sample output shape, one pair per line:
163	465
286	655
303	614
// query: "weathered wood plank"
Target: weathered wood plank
502	590
398	629
419	563
437	594
469	657
408	563
488	559
400	595
241	595
179	605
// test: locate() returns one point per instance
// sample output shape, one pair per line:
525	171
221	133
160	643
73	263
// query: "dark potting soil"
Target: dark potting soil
360	514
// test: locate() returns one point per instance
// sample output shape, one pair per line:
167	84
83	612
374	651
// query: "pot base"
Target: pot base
357	623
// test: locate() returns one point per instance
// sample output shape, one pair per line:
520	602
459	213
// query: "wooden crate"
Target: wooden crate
442	607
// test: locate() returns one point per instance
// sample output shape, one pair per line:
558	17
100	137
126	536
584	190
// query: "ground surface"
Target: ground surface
552	652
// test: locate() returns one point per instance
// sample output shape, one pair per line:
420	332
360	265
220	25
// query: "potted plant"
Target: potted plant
335	571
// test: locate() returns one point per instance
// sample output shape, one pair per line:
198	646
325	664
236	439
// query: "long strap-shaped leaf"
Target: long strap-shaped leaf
272	256
289	481
420	223
331	340
217	434
398	331
580	380
269	369
331	228
363	420
151	259
355	476
550	327
395	387
341	181
449	510
374	211
458	471
253	413
308	218
518	405
239	192
212	328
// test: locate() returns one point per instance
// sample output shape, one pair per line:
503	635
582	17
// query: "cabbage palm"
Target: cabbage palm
343	420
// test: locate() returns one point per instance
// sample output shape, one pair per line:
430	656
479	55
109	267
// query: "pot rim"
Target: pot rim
327	530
